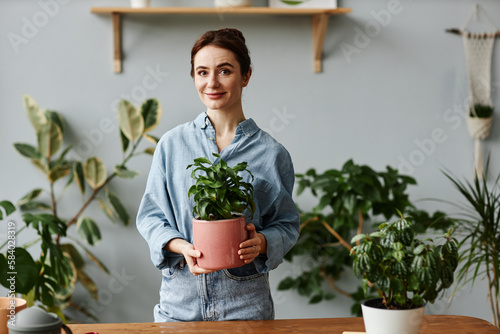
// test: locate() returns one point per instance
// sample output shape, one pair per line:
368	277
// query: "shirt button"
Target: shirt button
248	135
206	122
210	138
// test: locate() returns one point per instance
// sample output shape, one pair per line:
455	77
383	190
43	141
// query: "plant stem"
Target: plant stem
331	281
6	242
96	191
336	235
360	224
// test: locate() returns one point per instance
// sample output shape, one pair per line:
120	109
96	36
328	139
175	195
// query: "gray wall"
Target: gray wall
395	98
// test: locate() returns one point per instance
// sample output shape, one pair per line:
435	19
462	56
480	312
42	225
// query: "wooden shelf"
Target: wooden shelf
319	22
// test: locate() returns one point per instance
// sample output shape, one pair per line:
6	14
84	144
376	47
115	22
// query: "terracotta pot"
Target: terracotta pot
9	307
219	242
384	321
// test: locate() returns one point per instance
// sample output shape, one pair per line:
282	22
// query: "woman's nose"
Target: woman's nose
213	81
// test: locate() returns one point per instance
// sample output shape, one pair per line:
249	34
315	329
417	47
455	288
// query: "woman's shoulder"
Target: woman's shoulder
178	132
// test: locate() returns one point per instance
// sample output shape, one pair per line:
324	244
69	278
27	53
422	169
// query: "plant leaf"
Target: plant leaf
117	207
151	113
130	120
95	172
125	173
30	196
23	265
80	178
106	209
88	230
35	114
8	207
49	139
27	151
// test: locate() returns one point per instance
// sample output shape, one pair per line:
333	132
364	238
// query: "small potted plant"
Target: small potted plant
406	272
220	196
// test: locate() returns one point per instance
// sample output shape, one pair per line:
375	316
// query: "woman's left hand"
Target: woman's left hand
253	246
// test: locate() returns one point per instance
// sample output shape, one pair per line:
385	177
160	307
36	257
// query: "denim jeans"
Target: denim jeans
230	294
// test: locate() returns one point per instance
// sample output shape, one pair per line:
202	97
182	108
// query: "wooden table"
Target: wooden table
438	324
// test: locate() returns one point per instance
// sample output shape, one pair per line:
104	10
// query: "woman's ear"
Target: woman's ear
246	77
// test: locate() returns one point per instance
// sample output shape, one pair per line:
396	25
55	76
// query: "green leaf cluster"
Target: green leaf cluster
51	279
481	111
347	199
219	192
407	272
479	228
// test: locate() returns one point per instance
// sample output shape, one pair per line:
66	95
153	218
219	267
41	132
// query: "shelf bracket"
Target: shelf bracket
117	59
319	25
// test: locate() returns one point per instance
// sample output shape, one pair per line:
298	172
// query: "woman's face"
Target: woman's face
218	78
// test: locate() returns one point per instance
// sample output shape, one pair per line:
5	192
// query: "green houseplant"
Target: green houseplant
348	199
479	229
220	196
50	279
407	272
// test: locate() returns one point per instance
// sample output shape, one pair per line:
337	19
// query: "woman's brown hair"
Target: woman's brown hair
228	38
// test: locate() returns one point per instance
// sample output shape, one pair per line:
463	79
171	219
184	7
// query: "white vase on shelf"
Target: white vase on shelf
233	3
139	3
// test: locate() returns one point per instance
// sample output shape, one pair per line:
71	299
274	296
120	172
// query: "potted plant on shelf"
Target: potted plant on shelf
479	231
233	3
220	196
406	272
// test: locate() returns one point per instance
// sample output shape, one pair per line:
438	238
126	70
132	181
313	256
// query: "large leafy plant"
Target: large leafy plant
479	228
219	192
50	279
406	272
348	198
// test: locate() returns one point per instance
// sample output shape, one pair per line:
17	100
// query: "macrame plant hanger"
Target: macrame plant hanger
478	53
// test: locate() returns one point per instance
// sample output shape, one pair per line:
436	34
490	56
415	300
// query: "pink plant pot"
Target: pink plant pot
219	242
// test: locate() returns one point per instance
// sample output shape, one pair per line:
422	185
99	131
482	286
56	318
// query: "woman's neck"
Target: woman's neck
225	124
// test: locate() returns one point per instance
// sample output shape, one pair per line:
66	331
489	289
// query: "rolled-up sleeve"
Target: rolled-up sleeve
280	220
152	218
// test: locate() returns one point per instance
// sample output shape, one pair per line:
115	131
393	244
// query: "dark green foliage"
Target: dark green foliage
406	271
481	111
219	192
347	199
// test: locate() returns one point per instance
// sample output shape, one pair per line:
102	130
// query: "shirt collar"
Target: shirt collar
248	127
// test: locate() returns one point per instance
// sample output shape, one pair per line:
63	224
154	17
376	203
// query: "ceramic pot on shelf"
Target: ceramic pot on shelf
233	3
139	3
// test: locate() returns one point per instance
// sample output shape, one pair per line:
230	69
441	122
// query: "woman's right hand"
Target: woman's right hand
190	254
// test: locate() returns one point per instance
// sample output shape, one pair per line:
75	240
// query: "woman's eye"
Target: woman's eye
225	71
202	73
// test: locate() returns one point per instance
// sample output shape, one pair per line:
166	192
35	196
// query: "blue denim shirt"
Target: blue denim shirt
165	211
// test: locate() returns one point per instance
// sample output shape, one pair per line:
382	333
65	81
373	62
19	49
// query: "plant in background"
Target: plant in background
406	272
347	199
220	192
479	227
51	279
481	111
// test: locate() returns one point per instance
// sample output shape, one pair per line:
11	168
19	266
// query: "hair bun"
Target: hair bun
235	32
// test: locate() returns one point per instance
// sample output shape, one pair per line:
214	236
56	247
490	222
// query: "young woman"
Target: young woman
221	68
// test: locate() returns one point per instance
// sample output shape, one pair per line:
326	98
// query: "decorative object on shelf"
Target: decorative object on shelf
34	320
220	198
9	307
478	53
139	3
233	3
303	4
406	272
